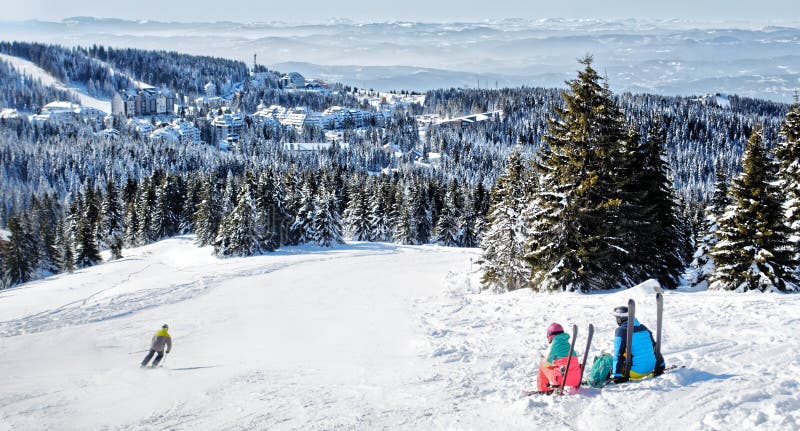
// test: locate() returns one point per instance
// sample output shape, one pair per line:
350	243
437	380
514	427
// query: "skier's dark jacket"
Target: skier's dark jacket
642	350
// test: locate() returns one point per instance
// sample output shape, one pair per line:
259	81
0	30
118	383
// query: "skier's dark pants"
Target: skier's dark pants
150	355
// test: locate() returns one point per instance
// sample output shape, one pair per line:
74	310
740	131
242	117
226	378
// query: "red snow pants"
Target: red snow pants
551	377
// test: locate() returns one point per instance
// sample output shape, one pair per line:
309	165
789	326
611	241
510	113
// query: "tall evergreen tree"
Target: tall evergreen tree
208	216
504	241
753	251
160	216
403	220
480	208
64	245
357	214
18	253
579	244
282	216
660	241
112	219
788	155
703	265
468	233
327	225
86	249
4	282
379	223
144	210
238	233
192	200
447	230
267	223
130	196
44	222
91	202
420	213
302	230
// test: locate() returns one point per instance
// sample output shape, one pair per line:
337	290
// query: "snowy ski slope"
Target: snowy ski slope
31	70
367	336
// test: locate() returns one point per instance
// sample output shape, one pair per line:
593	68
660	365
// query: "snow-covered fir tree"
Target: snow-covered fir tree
192	199
326	221
421	219
753	250
112	219
131	219
64	245
447	230
160	223
788	155
144	210
44	221
379	214
87	252
208	215
4	282
357	214
266	216
17	264
659	245
505	240
239	234
403	220
702	265
468	233
581	244
302	229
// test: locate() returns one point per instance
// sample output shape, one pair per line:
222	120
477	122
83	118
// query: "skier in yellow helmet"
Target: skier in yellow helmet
160	341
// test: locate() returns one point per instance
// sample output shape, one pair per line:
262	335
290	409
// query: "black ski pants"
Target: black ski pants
150	356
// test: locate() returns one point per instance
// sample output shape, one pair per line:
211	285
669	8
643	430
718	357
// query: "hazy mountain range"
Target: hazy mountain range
669	57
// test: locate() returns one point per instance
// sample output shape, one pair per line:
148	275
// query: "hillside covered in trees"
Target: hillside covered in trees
642	173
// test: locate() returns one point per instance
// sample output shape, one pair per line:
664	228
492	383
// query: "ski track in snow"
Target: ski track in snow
369	336
104	305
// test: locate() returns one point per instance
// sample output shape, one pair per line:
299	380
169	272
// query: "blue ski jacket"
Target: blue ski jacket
642	350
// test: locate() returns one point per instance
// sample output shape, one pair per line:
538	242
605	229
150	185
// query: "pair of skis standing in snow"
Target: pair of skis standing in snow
636	354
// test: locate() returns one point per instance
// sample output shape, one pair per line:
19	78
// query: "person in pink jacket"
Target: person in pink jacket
552	367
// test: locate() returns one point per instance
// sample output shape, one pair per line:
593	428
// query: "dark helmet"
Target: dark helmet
621	314
553	330
165	326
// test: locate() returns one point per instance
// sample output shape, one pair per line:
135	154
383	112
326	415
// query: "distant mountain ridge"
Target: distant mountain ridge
673	57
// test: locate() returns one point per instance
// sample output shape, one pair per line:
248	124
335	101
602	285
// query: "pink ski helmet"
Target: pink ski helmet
553	330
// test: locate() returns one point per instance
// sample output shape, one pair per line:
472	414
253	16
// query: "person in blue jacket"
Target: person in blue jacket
644	362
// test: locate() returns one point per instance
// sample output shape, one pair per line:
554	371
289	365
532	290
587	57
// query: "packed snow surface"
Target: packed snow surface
31	70
368	336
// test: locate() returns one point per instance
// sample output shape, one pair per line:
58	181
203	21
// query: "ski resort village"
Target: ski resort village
164	114
193	239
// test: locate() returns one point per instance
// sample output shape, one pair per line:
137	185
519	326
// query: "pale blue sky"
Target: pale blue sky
412	10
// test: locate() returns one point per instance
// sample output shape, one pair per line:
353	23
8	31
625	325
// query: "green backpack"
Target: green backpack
600	374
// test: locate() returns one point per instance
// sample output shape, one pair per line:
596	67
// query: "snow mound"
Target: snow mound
650	286
643	294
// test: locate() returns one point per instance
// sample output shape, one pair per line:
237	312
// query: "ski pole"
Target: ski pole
139	351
